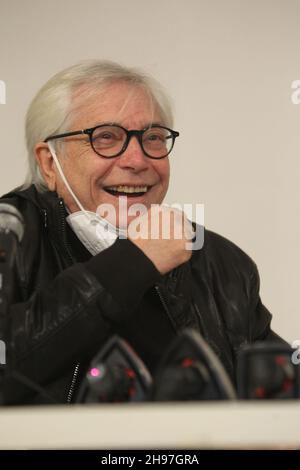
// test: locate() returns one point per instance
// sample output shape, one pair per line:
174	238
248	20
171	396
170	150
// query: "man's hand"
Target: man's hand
163	234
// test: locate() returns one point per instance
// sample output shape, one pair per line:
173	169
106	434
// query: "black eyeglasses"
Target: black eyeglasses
111	140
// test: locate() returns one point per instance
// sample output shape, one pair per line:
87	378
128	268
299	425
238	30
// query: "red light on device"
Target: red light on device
280	360
260	392
187	362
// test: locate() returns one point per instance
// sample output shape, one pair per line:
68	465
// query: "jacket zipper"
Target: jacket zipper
73	383
72	261
166	308
63	231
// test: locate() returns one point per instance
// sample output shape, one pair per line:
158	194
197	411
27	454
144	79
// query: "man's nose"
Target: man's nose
134	158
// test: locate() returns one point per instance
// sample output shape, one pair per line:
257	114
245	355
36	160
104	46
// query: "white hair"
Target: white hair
50	110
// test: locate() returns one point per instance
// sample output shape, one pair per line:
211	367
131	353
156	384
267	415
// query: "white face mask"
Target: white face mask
94	232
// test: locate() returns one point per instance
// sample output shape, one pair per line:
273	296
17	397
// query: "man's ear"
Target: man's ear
46	164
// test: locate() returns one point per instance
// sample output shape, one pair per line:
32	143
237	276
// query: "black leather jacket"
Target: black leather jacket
68	303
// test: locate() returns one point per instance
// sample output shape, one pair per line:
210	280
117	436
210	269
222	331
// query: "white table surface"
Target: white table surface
193	425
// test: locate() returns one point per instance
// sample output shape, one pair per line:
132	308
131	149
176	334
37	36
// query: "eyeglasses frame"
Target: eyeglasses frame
129	134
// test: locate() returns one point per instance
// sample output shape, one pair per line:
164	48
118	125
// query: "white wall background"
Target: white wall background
229	65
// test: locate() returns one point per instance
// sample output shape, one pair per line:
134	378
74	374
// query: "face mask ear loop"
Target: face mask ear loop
58	166
97	217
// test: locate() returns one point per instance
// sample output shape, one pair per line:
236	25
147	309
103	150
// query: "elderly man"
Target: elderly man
98	134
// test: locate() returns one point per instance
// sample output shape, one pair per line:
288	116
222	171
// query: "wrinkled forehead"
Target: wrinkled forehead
118	102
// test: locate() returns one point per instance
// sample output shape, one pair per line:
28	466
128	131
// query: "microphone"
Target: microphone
115	375
11	233
190	370
267	371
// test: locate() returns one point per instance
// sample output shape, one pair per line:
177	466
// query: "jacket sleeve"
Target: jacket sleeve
74	314
259	315
236	284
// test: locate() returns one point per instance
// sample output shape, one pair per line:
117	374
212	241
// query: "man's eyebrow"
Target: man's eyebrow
153	124
106	123
116	123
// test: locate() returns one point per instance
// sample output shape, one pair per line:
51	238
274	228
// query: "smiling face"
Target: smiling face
96	180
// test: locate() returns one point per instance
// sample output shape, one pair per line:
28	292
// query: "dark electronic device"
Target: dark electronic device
266	371
190	370
116	374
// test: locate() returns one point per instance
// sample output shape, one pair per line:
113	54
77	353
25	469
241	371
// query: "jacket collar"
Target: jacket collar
53	215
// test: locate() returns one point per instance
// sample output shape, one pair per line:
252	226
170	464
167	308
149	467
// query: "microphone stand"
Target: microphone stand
4	314
11	233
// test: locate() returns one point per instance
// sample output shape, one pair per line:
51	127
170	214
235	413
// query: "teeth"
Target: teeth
129	189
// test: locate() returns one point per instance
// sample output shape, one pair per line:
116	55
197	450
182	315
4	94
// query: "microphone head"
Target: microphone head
266	371
115	375
190	370
11	221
